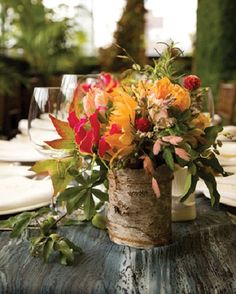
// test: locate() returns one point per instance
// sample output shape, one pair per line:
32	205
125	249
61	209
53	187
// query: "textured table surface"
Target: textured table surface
201	259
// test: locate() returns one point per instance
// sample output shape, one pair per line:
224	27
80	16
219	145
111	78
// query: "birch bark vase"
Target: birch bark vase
136	217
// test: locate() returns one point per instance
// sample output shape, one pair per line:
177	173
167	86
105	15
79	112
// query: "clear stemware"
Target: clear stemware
47	101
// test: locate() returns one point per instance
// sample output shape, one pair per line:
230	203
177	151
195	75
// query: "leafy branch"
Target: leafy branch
45	241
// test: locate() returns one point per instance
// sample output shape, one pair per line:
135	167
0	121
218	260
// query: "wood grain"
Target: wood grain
201	259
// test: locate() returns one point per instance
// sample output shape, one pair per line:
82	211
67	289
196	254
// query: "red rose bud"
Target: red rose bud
192	82
142	124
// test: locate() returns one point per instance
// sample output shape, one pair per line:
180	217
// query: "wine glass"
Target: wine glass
45	101
79	84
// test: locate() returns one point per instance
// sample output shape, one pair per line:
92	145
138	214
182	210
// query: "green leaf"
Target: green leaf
76	201
103	196
69	193
211	134
58	170
194	180
99	221
187	183
47	225
167	155
192	168
211	184
22	223
66	253
73	246
89	206
214	164
48	249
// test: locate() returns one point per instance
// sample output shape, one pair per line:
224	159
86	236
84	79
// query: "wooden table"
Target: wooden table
201	259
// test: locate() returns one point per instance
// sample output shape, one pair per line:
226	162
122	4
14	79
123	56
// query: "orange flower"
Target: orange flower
164	89
123	116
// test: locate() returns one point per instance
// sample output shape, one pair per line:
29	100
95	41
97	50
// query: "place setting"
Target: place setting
20	188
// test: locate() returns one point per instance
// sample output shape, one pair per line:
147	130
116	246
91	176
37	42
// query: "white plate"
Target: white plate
19	151
20	194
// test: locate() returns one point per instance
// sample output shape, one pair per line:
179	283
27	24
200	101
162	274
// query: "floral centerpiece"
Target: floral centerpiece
130	134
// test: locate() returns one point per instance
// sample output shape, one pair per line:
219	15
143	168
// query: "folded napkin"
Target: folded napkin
22	151
9	170
20	194
23	126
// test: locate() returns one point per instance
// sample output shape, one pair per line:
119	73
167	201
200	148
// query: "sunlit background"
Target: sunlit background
165	20
40	40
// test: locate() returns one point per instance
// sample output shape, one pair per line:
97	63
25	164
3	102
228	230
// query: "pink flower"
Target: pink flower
182	154
89	103
109	82
174	140
191	82
86	87
142	124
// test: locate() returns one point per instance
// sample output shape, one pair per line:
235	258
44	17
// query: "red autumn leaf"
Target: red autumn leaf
64	130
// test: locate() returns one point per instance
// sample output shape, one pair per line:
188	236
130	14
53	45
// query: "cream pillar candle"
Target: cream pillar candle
182	211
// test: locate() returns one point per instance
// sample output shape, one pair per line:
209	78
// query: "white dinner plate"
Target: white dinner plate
19	151
20	194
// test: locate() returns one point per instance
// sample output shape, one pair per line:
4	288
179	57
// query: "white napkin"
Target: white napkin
227	154
22	151
23	126
9	170
19	194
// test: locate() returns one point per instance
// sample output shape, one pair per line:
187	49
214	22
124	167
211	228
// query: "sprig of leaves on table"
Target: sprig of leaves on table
45	240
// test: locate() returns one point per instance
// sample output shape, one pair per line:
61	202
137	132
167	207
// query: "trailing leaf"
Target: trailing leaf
211	184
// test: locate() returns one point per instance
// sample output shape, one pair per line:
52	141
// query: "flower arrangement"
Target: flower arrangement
146	119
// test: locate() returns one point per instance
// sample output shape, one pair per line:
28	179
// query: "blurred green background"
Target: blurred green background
37	47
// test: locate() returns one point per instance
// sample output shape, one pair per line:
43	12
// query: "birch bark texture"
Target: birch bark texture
136	217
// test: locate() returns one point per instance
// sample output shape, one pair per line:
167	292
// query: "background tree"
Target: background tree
216	42
128	35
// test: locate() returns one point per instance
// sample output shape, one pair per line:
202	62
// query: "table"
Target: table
201	259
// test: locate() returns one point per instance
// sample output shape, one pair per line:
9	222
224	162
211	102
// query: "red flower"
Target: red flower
192	82
142	124
86	139
103	146
115	129
72	119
